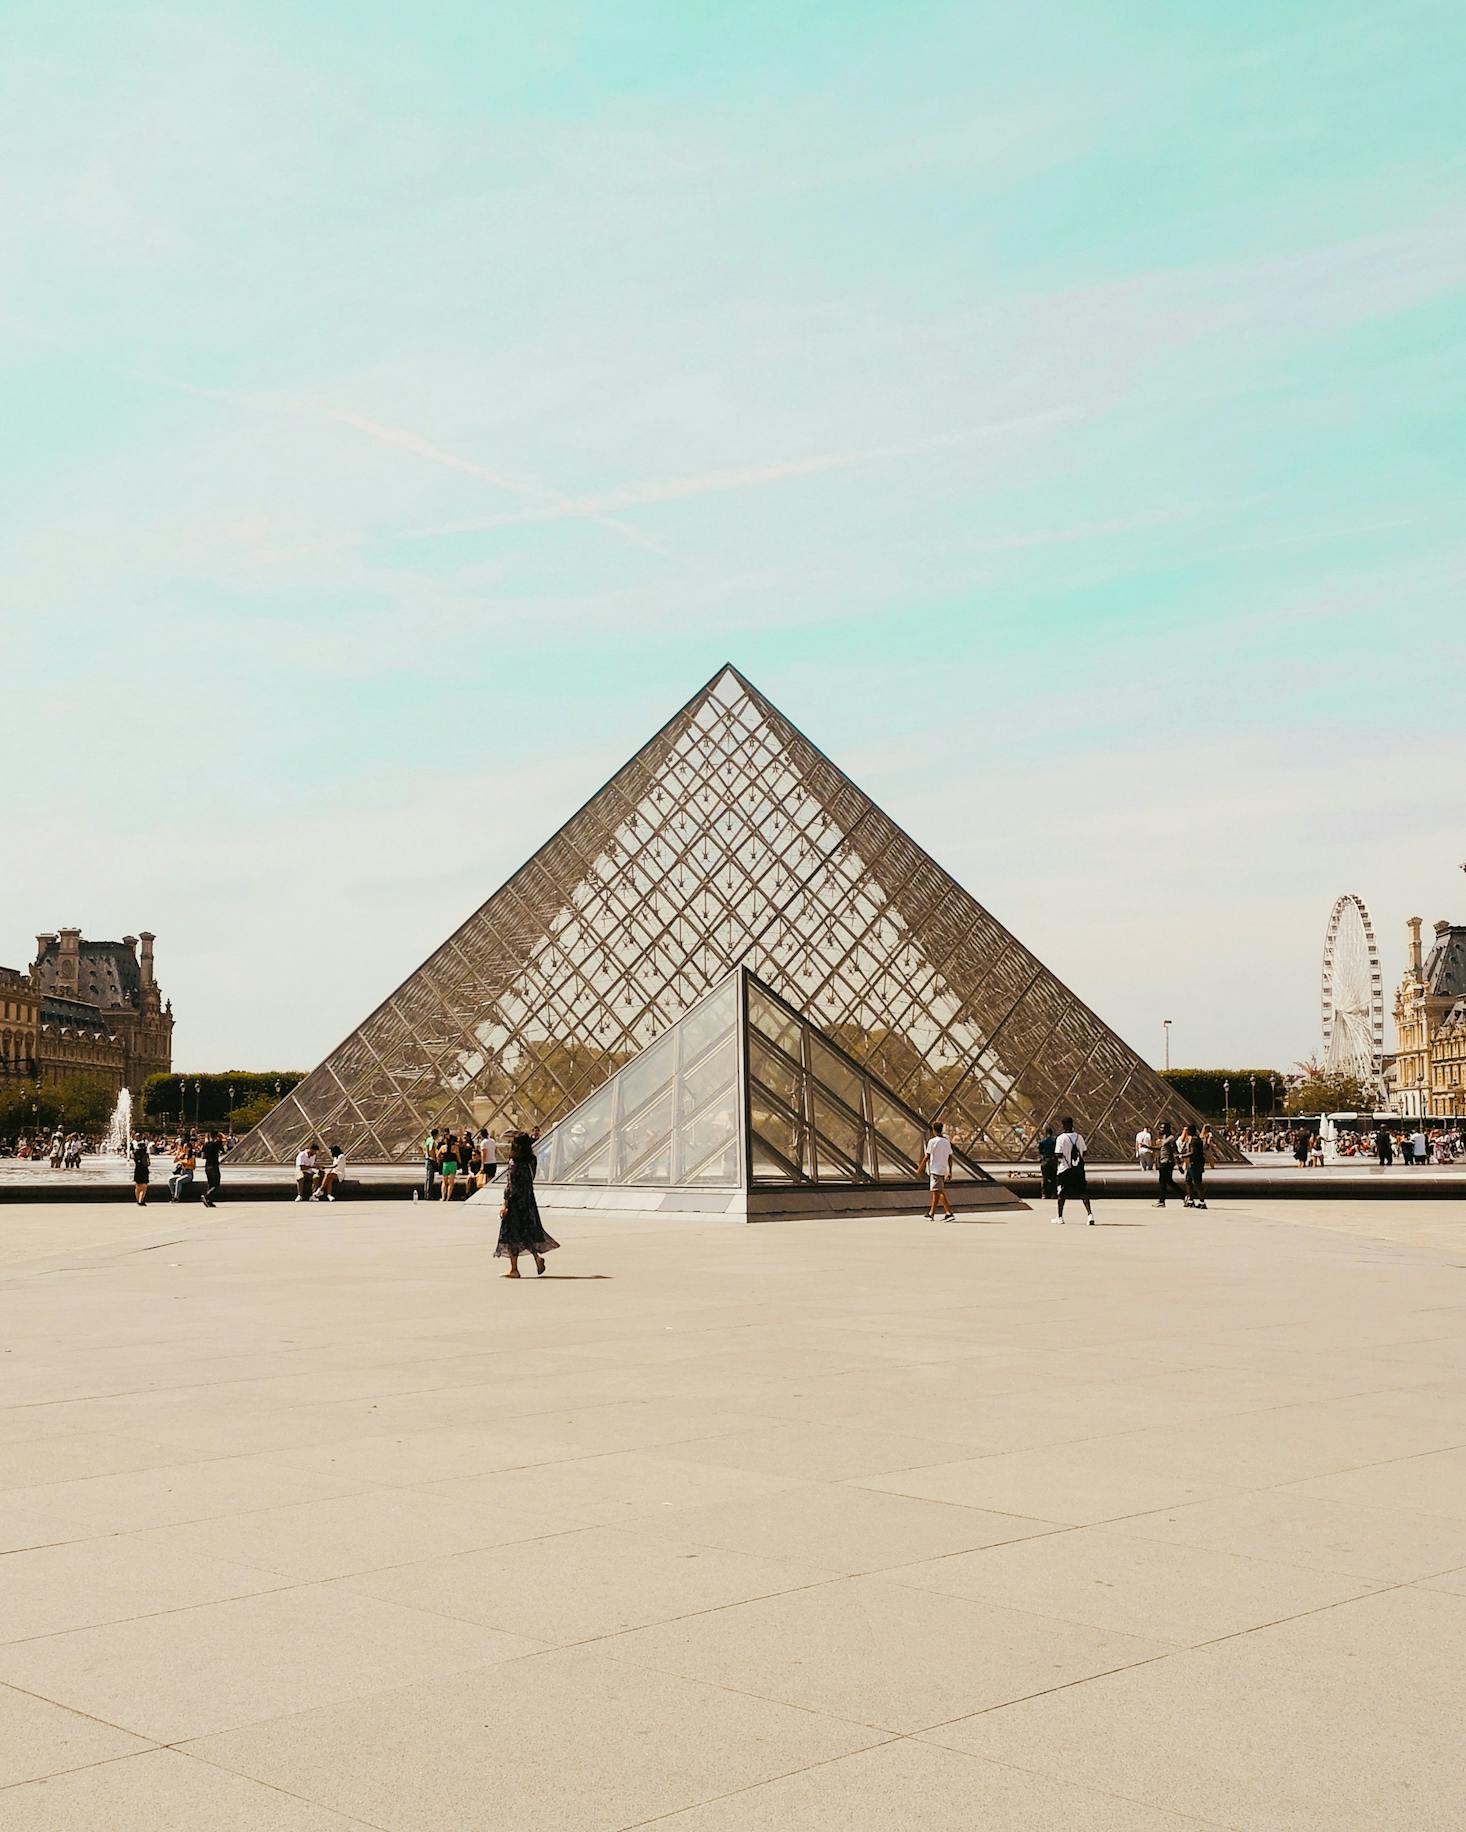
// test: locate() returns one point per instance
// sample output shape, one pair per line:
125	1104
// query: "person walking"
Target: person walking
1165	1163
1193	1156
213	1149
520	1227
305	1172
1144	1148
1073	1184
184	1165
1384	1147
141	1169
1048	1166
432	1150
937	1163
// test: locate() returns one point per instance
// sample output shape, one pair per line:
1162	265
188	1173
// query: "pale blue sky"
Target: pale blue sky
1056	410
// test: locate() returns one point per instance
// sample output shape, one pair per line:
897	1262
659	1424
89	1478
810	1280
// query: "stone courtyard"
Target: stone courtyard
314	1524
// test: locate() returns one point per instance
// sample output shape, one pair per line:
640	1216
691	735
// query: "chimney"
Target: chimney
1414	926
130	941
42	943
1442	928
145	960
69	964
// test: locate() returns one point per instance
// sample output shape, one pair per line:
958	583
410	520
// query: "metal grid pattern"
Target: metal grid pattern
728	838
816	1115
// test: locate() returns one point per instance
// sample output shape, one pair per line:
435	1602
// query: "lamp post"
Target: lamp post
1226	1103
1166	1025
231	1109
1252	1083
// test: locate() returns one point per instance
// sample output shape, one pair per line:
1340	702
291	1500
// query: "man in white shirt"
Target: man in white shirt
1417	1146
1143	1149
937	1163
1069	1150
305	1171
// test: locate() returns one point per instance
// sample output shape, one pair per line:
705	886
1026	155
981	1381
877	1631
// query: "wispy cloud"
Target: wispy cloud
543	505
759	476
539	503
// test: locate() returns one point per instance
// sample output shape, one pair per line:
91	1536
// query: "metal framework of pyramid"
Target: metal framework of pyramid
727	839
744	1108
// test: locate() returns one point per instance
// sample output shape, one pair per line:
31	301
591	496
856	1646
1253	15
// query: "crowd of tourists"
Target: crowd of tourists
187	1153
458	1163
1388	1142
63	1150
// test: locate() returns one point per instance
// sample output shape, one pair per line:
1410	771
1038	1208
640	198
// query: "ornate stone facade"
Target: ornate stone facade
1428	1075
86	1008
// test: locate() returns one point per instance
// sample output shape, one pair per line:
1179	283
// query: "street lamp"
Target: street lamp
1166	1024
1252	1083
1226	1102
231	1109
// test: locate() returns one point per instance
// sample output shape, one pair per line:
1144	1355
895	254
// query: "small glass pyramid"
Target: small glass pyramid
743	1107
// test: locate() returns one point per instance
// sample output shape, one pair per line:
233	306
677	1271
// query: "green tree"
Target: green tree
1213	1092
83	1103
1329	1092
206	1099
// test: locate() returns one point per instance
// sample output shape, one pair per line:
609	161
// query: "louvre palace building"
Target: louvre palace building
89	1008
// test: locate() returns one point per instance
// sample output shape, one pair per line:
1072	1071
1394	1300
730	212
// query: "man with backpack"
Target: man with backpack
1069	1152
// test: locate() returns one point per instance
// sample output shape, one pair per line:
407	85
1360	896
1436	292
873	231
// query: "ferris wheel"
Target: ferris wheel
1353	993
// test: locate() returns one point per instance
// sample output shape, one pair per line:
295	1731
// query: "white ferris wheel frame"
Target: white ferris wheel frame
1376	979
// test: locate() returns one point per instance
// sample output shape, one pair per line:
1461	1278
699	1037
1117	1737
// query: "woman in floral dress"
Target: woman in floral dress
520	1227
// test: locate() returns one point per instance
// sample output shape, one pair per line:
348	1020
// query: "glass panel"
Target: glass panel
766	1167
776	1128
837	1130
657	1168
713	1020
647	1075
893	1126
718	1170
773	1022
706	1134
594	1169
584	1131
715	1075
779	1077
637	1139
835	1074
832	1168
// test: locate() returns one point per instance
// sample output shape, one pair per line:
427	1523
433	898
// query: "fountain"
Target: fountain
119	1127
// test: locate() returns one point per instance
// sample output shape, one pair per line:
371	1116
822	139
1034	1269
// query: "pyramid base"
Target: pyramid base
834	1201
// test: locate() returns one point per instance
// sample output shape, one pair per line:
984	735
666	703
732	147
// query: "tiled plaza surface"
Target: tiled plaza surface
311	1522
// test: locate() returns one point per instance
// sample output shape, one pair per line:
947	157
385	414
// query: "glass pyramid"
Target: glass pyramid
727	839
745	1106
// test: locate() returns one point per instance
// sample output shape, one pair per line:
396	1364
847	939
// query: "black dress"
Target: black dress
521	1230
